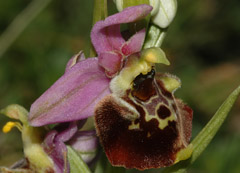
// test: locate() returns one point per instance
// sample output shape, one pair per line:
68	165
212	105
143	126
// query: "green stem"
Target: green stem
100	12
155	37
20	23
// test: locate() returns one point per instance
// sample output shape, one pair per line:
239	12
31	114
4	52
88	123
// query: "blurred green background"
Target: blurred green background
202	44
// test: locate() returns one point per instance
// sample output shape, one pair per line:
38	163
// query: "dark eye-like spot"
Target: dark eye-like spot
140	78
143	87
163	112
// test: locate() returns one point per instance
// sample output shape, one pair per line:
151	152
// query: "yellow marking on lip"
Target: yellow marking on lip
134	126
170	83
162	123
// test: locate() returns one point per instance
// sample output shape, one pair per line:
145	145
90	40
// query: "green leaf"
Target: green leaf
76	162
202	140
21	21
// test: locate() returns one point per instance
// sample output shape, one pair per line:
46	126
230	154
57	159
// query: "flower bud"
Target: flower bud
85	143
163	11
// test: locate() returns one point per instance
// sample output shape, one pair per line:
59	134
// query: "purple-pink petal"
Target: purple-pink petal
106	34
73	96
110	61
54	145
134	44
66	133
56	150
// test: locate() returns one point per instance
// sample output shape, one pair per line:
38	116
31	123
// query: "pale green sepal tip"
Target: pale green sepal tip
155	55
171	83
202	140
76	162
17	112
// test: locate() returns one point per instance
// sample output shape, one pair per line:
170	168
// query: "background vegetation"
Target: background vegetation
203	45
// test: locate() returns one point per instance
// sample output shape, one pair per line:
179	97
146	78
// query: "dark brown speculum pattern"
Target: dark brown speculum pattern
144	142
163	112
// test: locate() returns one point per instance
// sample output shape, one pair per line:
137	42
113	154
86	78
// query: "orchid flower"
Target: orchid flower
32	137
140	124
138	120
47	152
82	141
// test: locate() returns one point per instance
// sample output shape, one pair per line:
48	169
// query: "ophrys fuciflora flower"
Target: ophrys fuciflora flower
138	120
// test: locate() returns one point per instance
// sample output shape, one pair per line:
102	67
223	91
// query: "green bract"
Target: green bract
202	140
76	162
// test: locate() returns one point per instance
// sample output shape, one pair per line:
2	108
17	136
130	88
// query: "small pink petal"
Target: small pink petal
67	133
110	61
106	34
134	44
73	96
54	145
55	150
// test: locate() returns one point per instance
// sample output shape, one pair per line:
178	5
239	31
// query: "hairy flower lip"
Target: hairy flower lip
149	140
